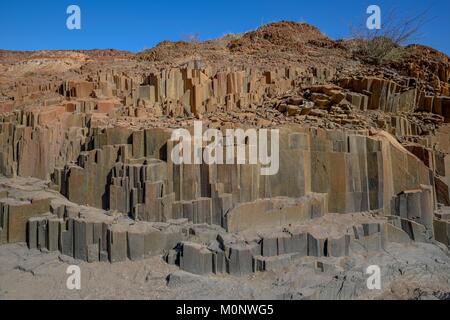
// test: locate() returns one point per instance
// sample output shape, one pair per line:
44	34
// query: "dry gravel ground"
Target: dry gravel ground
419	271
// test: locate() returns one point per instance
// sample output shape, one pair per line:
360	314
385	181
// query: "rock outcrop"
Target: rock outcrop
87	163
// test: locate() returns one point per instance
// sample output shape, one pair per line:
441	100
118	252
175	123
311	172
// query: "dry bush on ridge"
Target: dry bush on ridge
386	44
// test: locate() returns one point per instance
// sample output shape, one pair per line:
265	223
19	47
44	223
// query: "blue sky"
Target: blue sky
138	24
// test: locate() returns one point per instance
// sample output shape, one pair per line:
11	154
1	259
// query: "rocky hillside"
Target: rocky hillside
364	161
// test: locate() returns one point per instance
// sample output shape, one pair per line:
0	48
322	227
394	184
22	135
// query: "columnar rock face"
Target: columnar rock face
15	214
361	157
275	212
436	104
335	172
380	94
129	170
197	91
276	248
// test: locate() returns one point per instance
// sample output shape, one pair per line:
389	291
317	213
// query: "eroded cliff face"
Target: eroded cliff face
89	171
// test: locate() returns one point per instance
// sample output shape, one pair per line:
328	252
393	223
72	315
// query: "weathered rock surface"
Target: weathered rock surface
87	170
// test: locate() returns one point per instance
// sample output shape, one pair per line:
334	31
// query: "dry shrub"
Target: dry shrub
386	45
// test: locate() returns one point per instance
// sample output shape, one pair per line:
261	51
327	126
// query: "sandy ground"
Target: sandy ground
420	271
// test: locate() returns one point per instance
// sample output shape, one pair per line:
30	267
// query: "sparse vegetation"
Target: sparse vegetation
191	38
386	45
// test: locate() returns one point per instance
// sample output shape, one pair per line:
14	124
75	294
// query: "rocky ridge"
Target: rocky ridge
364	152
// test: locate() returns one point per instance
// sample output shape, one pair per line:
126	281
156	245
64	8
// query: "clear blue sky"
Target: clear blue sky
138	24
